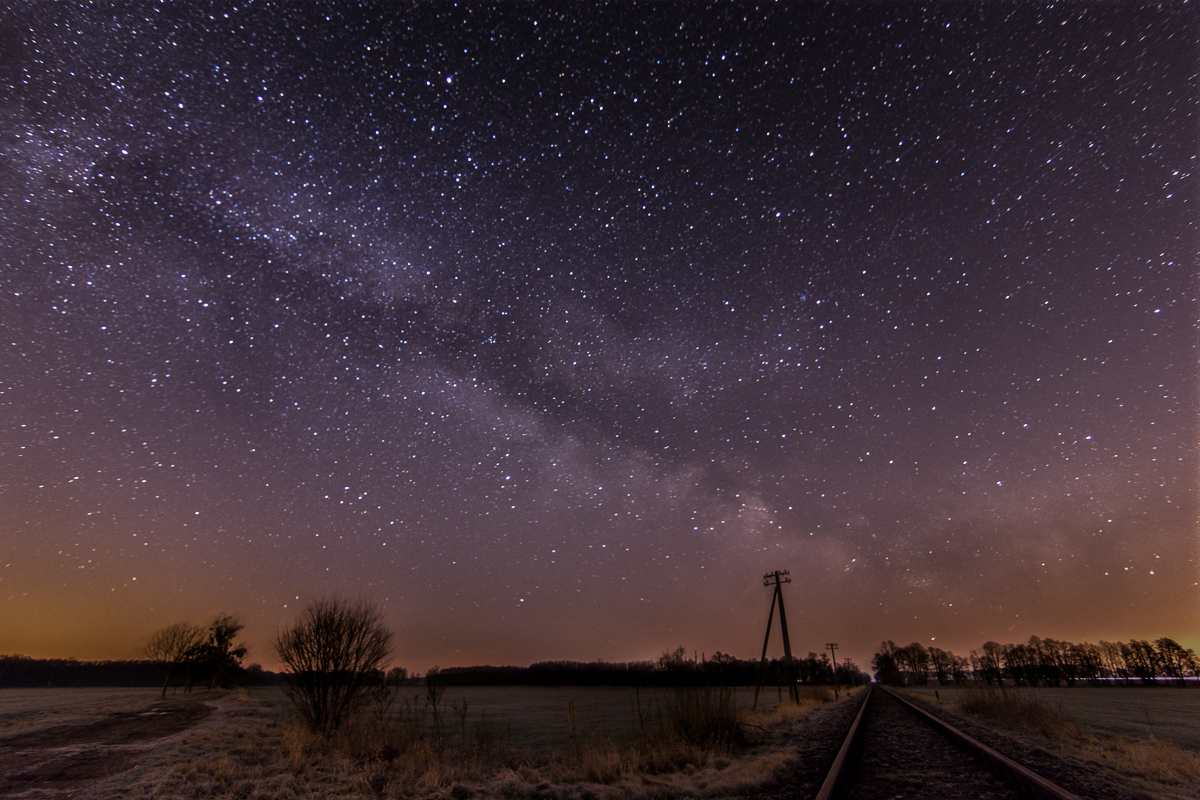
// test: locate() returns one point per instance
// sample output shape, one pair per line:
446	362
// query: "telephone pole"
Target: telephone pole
777	579
833	661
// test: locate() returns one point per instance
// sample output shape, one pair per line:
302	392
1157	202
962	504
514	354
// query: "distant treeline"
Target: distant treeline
672	669
1039	662
23	672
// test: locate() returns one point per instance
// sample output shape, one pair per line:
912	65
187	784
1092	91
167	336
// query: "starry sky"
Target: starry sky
550	328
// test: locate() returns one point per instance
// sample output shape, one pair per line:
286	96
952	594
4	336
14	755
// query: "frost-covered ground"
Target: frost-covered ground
496	742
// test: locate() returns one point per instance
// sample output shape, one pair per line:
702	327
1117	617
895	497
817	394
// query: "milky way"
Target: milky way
551	328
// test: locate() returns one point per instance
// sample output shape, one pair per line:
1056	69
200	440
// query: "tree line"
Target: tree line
1039	662
182	653
23	672
673	668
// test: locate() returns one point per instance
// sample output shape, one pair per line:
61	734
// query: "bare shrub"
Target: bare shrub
333	654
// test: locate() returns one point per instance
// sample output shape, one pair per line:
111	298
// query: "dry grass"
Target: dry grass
1014	709
254	749
1150	759
1158	768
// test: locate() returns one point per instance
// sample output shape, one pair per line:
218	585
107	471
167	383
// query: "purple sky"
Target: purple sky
551	328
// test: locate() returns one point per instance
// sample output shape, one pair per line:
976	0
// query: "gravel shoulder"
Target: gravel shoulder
815	741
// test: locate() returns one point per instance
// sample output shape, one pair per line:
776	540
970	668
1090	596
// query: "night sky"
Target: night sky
550	328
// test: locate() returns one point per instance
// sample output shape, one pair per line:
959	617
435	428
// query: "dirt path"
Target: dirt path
62	758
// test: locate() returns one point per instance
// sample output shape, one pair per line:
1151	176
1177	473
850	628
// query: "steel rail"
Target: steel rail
1030	782
834	779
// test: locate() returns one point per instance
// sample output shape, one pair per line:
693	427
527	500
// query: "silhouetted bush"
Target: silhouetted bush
334	653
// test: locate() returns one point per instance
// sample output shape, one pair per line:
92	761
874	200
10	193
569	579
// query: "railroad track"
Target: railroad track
895	749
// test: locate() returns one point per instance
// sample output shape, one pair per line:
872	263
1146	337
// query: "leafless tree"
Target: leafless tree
886	664
1142	659
334	652
172	647
219	657
962	666
1113	658
674	659
913	660
942	662
1089	661
1177	661
991	663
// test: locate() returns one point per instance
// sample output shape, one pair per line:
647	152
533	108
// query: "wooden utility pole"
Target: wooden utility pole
833	661
777	579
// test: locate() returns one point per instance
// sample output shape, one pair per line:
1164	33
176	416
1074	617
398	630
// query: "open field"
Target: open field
536	717
1171	714
531	717
99	743
24	708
